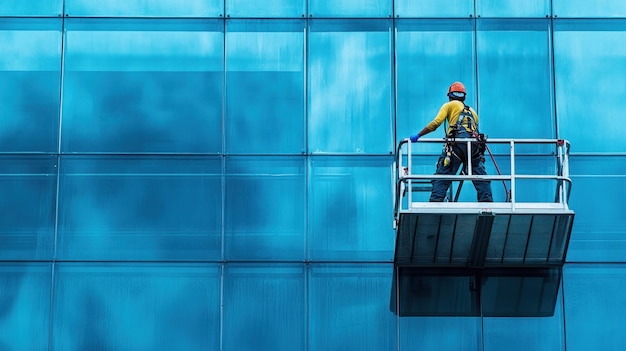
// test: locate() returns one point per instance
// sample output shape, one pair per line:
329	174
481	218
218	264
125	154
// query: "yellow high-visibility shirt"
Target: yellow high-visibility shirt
450	111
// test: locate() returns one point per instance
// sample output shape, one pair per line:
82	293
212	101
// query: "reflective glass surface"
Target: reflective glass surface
136	307
142	8
515	79
349	86
589	70
423	76
433	8
587	9
440	333
513	8
599	233
350	217
30	67
31	8
140	208
265	80
528	333
265	8
264	307
264	210
217	174
349	307
349	8
124	90
25	305
594	306
27	207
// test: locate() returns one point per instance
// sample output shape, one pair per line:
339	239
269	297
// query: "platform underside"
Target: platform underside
473	259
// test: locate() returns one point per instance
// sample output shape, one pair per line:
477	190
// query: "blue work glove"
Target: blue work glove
414	138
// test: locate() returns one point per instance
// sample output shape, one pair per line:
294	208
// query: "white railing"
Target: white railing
406	178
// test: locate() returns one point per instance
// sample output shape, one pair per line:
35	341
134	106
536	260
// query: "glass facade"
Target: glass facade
217	174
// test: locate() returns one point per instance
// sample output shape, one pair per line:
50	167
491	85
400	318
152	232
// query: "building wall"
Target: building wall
217	174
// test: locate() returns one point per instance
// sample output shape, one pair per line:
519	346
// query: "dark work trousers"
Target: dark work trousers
457	158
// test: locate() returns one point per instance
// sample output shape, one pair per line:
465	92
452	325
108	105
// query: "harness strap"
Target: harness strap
467	113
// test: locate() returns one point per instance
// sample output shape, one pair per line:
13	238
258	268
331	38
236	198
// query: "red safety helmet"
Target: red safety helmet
457	87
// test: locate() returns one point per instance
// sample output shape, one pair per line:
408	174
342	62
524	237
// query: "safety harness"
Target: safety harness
466	114
481	141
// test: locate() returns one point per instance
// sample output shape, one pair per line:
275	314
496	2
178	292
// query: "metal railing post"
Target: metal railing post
512	150
409	171
469	157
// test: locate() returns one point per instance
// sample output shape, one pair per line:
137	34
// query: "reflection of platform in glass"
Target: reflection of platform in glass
480	259
491	292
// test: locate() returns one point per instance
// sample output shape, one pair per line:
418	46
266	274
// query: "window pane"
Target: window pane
265	86
350	8
434	8
31	8
584	51
528	333
264	208
440	334
140	208
351	208
350	91
25	301
264	307
136	307
30	67
142	8
143	86
27	207
513	8
265	8
515	79
423	76
594	306
589	9
349	307
598	192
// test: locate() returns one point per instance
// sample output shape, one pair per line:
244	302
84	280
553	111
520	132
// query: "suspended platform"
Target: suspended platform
464	258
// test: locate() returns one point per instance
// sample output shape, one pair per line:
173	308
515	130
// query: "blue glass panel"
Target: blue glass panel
264	307
265	86
265	8
350	90
30	67
589	9
350	8
349	307
140	208
589	70
143	86
528	333
515	78
594	306
264	208
27	207
423	76
351	208
31	8
25	306
598	192
434	8
513	8
136	307
440	333
142	8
